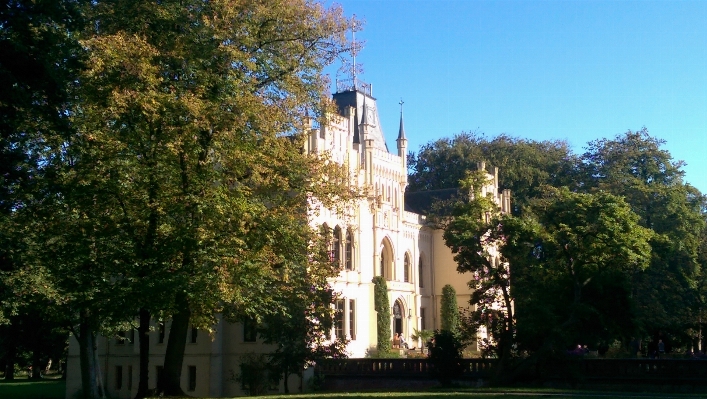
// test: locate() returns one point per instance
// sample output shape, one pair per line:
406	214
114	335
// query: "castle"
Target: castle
384	234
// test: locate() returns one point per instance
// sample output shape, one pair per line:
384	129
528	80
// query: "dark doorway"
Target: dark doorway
398	318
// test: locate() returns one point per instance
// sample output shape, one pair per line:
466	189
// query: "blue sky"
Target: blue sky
544	70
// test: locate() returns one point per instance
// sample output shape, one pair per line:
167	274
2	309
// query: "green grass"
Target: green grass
54	389
28	389
488	393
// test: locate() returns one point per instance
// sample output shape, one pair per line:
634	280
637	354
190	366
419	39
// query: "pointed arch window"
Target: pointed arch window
348	251
420	278
406	265
336	245
382	270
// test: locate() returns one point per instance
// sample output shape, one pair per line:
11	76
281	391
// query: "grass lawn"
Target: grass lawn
28	389
488	393
55	389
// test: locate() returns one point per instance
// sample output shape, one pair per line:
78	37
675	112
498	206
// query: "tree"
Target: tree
382	307
449	310
301	331
635	166
183	167
524	165
475	236
572	269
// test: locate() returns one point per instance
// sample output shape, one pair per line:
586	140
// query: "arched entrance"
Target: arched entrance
398	317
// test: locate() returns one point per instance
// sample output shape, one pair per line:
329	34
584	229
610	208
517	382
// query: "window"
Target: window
352	319
339	319
336	245
120	339
250	330
406	272
422	319
118	378
349	251
192	378
420	278
159	373
194	332
130	378
132	335
160	334
382	271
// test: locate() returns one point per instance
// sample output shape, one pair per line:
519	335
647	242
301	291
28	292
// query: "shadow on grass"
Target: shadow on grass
32	389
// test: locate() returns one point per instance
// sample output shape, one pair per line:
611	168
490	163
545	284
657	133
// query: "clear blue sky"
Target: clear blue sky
572	70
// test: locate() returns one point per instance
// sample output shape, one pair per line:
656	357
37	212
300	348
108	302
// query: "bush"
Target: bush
256	377
382	307
445	353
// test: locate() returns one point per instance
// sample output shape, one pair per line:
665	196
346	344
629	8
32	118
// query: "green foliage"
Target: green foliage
445	354
524	165
423	335
573	268
635	166
382	308
168	174
449	310
255	375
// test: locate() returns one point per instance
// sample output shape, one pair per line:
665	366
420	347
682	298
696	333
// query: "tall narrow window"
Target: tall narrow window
352	318
382	271
160	333
349	251
406	265
336	245
250	332
192	378
120	339
420	278
194	332
130	378
118	378
339	319
132	335
422	320
159	374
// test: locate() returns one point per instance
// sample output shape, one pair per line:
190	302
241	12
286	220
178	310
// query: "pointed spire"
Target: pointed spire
401	132
356	137
364	117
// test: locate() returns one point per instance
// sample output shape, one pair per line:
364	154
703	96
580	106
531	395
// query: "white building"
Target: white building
384	234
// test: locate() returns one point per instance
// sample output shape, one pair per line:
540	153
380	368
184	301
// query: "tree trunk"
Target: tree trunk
144	337
10	362
36	366
174	355
287	375
90	374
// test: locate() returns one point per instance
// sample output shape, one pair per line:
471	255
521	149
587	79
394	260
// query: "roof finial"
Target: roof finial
401	132
353	51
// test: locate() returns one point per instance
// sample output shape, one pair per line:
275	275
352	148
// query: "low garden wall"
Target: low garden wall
632	374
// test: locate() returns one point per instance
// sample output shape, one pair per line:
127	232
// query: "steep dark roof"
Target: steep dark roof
421	201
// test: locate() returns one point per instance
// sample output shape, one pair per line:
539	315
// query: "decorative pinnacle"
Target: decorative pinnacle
401	132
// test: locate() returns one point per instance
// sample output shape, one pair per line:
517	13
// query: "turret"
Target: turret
402	140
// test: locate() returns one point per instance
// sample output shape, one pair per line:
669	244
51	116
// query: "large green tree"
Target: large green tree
474	235
635	166
182	184
524	165
572	268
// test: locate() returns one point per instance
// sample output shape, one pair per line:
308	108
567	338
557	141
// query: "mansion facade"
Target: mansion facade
384	234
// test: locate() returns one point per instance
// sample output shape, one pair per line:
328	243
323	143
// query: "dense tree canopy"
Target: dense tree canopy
524	165
623	198
180	184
